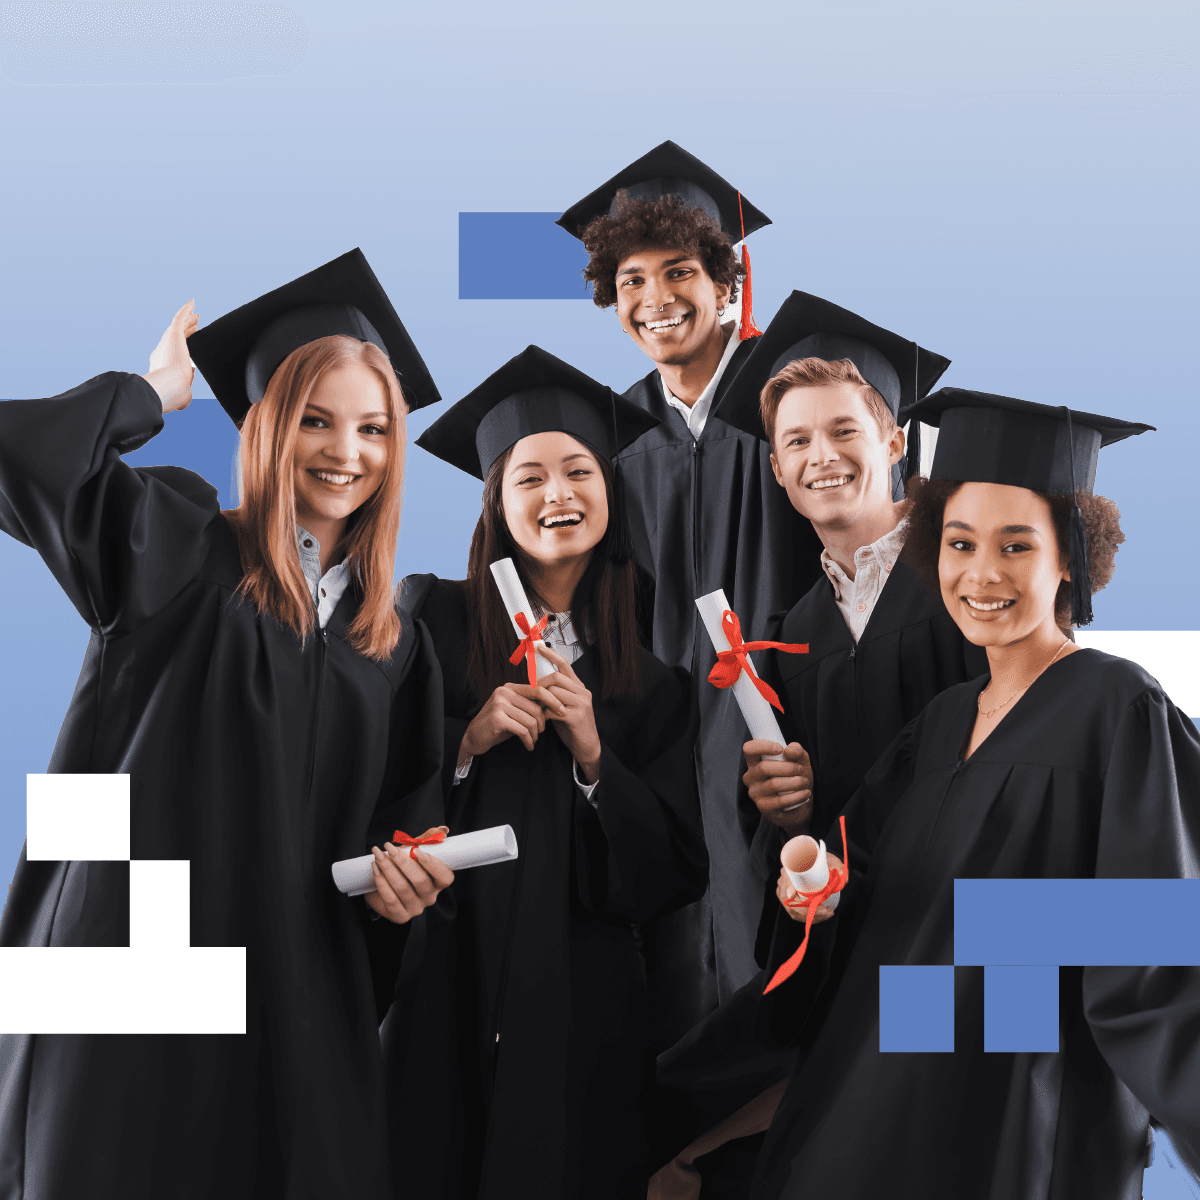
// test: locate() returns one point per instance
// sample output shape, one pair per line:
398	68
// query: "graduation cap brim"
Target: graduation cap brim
672	165
984	438
342	296
532	393
899	369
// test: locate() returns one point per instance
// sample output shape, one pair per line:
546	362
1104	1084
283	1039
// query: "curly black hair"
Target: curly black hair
1101	522
665	223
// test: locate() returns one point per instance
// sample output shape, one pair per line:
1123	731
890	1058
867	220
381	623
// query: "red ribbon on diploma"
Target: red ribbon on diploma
400	838
525	650
732	662
814	900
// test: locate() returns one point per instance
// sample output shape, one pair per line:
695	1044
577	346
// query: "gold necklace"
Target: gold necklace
992	711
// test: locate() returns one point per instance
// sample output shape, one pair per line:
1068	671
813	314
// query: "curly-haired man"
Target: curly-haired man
705	513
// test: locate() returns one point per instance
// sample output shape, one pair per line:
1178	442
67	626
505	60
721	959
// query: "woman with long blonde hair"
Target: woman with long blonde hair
249	673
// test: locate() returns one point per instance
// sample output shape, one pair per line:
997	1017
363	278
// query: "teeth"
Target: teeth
562	519
837	481
329	477
667	323
995	604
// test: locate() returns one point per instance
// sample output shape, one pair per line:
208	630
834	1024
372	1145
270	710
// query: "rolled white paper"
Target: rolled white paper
815	877
478	849
754	705
515	601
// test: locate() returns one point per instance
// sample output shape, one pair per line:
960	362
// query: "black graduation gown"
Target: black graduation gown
844	703
261	763
523	1027
707	513
1093	773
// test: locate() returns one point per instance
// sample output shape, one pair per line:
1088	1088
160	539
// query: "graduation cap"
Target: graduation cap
808	327
669	170
1043	447
532	393
238	353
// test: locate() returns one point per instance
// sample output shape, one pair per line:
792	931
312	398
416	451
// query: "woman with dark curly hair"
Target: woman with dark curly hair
1063	763
704	513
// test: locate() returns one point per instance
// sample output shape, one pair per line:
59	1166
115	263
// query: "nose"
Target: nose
558	491
821	450
342	444
658	294
985	566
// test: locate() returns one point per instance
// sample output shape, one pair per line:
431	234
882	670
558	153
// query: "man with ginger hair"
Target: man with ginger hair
704	512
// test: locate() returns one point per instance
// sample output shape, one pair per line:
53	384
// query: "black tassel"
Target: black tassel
620	544
1081	578
912	460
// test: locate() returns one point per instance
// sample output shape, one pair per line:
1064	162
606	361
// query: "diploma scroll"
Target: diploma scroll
755	707
807	865
515	601
478	849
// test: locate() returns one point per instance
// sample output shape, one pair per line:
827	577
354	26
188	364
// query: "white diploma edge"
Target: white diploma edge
504	572
816	877
480	848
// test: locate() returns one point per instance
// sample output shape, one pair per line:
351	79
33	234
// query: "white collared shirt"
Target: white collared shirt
326	589
561	637
696	416
872	565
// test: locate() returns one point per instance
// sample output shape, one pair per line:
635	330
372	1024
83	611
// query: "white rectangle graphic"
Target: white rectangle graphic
77	818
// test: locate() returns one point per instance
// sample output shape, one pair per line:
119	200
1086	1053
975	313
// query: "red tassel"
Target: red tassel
748	329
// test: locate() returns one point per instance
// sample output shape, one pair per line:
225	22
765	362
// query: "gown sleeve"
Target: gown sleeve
121	542
787	1010
640	841
1146	1020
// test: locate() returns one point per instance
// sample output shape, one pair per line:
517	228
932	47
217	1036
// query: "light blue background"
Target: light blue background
1012	184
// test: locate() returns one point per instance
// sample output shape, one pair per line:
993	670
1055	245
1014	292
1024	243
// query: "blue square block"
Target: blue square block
916	1009
1020	1009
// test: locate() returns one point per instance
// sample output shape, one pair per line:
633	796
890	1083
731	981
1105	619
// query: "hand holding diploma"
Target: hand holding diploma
780	782
573	715
513	710
407	882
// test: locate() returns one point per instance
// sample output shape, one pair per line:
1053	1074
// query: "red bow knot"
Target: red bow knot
526	647
732	662
814	900
400	838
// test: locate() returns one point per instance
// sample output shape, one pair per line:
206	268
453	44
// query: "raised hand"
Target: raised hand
572	715
781	789
171	369
513	710
406	886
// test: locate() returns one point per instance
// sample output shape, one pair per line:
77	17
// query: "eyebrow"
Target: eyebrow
569	458
1006	529
324	412
670	262
804	428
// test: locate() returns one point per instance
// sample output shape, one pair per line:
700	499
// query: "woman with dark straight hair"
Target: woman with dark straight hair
247	670
523	1028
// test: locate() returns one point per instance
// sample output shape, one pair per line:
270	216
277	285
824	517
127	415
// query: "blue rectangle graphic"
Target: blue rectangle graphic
916	1009
1077	922
518	256
1020	1010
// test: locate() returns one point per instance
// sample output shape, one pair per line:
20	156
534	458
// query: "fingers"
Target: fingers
406	887
441	874
519	725
551	698
761	749
564	667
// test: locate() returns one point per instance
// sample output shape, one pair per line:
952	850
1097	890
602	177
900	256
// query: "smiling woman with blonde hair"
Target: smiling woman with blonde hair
247	671
1061	763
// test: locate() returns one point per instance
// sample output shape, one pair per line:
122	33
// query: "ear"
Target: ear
721	291
896	446
778	472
